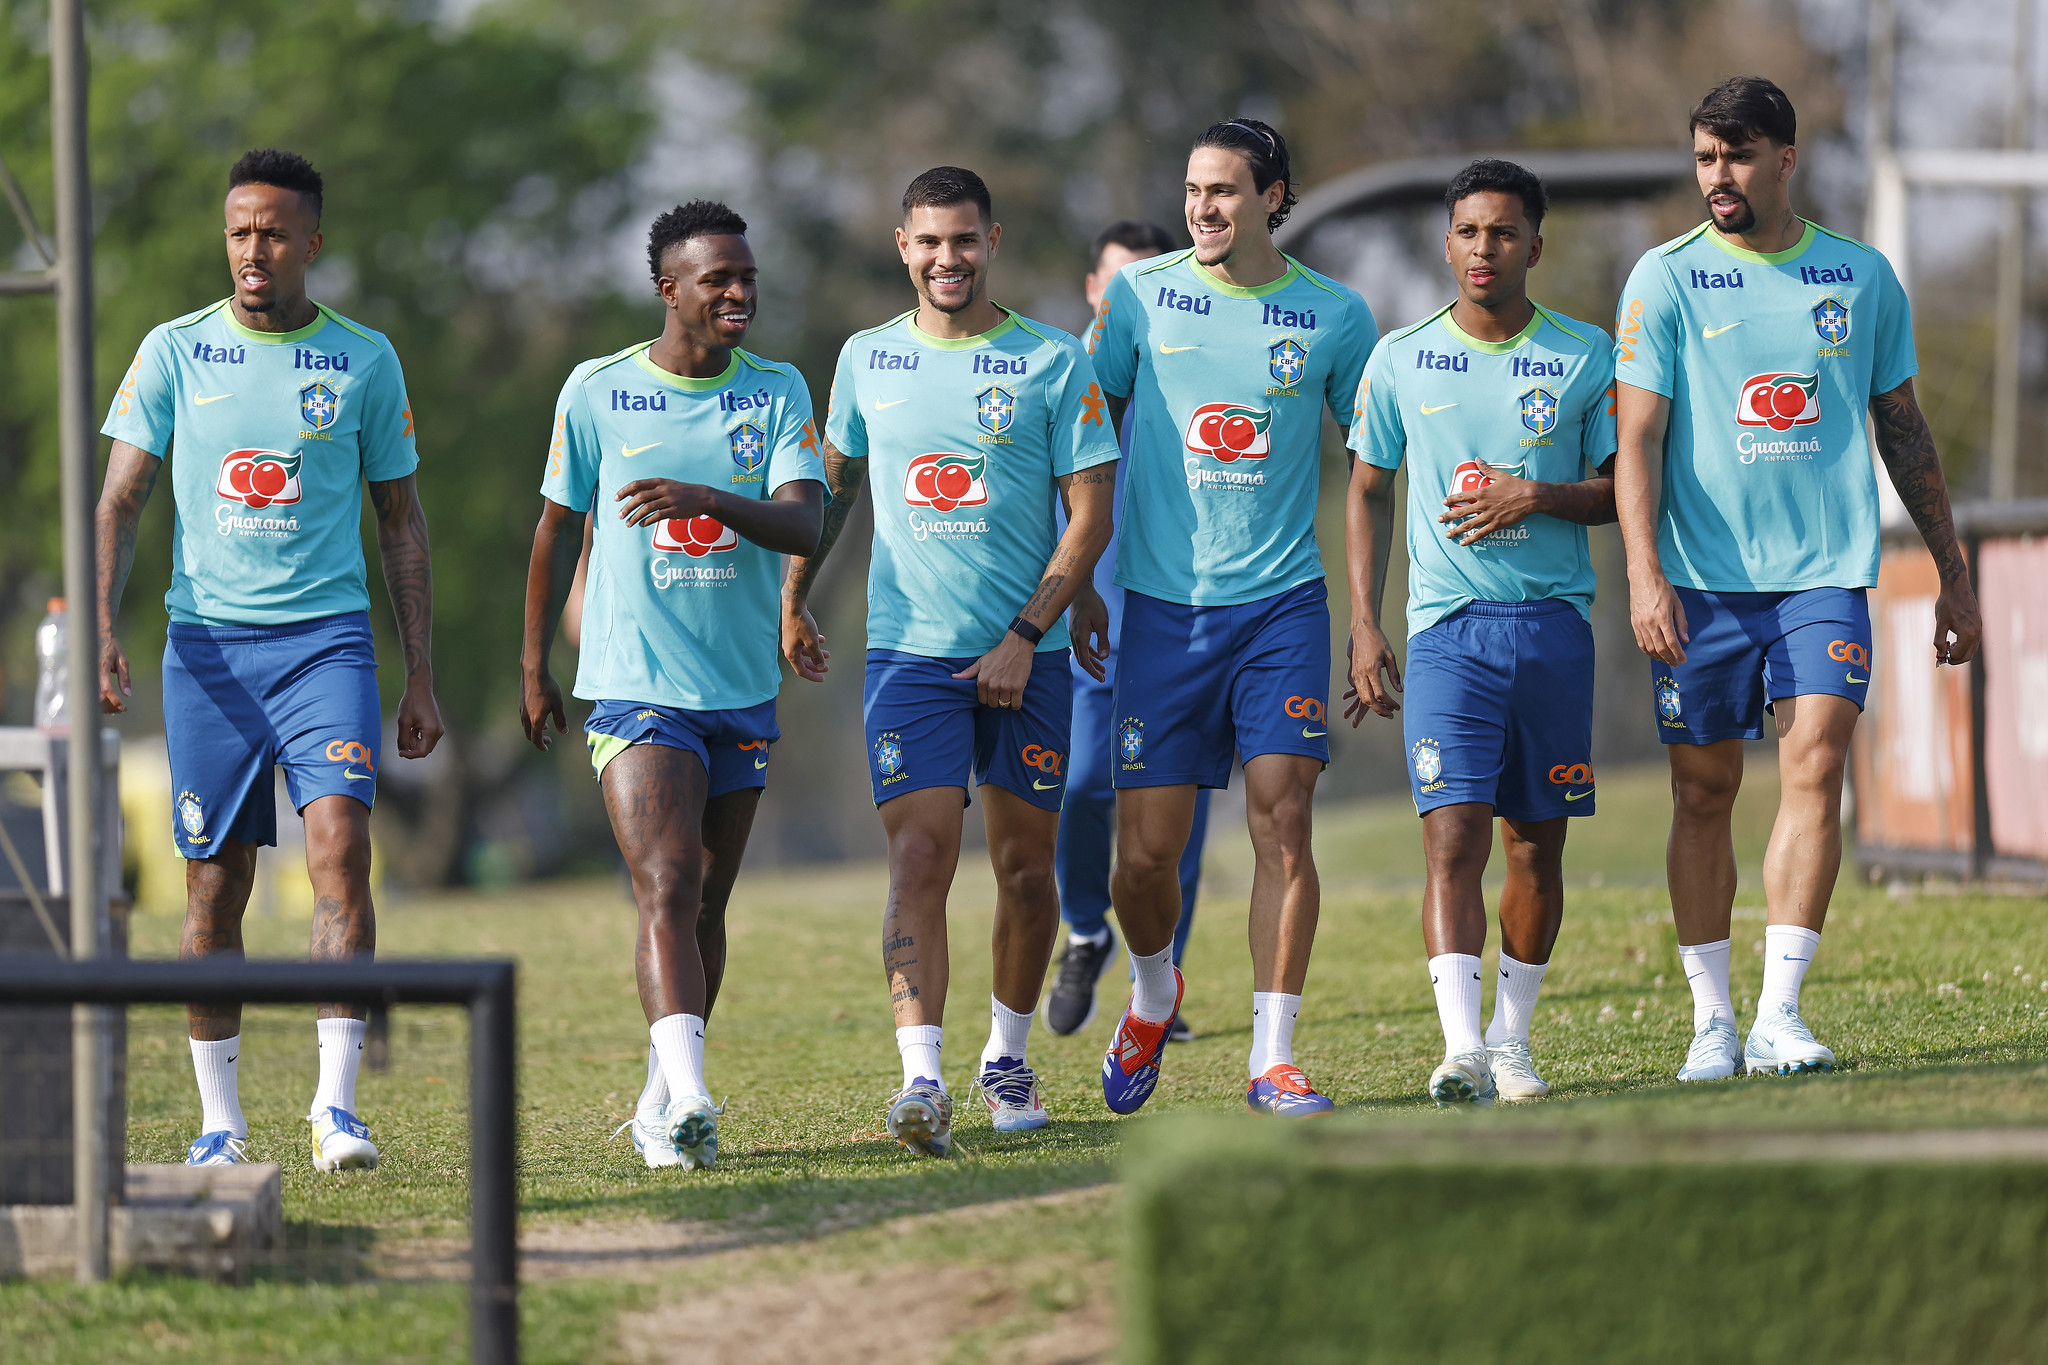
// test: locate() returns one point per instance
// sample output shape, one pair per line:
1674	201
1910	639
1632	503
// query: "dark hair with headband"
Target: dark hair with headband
1265	151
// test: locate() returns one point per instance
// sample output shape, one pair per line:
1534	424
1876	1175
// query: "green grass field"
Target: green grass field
1934	1000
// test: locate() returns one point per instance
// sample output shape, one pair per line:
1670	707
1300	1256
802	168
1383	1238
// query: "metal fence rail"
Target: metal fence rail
485	988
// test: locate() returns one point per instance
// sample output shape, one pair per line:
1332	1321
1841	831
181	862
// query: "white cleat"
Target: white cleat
218	1148
921	1118
693	1132
1514	1071
1780	1042
650	1138
1010	1090
1714	1054
1463	1079
341	1142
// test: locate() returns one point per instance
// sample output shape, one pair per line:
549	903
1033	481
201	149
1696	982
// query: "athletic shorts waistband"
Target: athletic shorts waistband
1542	606
233	634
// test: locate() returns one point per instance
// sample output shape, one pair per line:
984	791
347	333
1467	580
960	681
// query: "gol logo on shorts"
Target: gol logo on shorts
1304	708
349	751
1849	652
1045	760
1572	774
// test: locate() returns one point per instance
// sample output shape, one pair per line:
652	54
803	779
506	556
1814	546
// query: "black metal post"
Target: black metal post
493	1154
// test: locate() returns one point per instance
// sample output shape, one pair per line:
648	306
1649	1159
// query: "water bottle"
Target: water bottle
53	672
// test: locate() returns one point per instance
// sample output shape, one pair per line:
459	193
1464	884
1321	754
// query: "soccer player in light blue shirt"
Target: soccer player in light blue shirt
969	421
1747	353
272	411
697	466
1503	414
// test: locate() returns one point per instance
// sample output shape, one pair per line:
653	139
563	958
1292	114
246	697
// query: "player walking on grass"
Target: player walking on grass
974	418
1503	413
696	464
280	410
1230	351
1747	353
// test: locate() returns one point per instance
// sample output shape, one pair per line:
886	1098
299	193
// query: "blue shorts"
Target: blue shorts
1750	650
238	699
1195	685
926	728
732	745
1497	707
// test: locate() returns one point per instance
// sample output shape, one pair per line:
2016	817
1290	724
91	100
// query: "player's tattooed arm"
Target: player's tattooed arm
803	644
1907	448
409	576
557	545
1507	498
1368	540
131	474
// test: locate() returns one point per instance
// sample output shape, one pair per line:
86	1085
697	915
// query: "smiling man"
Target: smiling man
1747	353
1231	352
1503	413
696	465
279	410
974	419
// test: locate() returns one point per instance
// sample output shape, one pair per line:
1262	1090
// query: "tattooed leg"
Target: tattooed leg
338	864
728	820
655	797
924	849
216	894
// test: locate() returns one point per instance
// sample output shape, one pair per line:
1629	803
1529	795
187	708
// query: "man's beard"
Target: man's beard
1743	221
973	296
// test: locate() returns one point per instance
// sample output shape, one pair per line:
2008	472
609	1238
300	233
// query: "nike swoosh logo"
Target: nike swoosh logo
760	763
1165	349
202	402
1709	333
1313	734
352	775
1854	679
891	403
1042	786
1428	411
1576	796
231	1060
1789	958
629	454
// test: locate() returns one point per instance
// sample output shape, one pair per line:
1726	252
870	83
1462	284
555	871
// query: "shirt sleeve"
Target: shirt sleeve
1081	434
144	411
571	477
795	454
1895	361
1377	433
385	437
1597	442
1347	372
845	427
1113	338
1646	328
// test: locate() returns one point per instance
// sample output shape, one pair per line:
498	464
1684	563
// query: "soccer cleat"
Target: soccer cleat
1071	1006
1178	1031
1285	1093
691	1125
651	1139
1514	1071
1714	1054
341	1142
1463	1079
1781	1042
1010	1090
1130	1069
921	1118
218	1148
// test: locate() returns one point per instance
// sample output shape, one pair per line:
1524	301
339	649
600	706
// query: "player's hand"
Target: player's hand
803	644
1658	618
1495	507
1371	656
114	673
419	719
1088	624
1000	674
651	500
1956	614
540	699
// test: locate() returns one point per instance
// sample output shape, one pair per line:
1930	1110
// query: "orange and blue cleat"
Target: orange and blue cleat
1131	1066
1285	1093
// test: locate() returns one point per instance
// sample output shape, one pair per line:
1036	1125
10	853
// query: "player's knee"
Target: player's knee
1026	876
1816	768
918	858
668	886
1705	791
1143	857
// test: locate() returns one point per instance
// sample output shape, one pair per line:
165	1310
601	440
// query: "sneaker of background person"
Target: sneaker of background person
1714	1054
1514	1071
1179	1032
921	1118
220	1148
1285	1093
341	1142
1780	1042
1010	1090
1463	1079
1071	1006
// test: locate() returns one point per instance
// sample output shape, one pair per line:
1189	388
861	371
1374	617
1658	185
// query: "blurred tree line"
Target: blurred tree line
490	170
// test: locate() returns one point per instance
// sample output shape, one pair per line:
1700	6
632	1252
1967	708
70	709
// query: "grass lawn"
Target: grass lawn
1934	1001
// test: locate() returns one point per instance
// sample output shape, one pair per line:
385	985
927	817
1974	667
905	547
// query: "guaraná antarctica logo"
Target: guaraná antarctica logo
1779	401
944	481
694	536
1471	476
1230	431
260	478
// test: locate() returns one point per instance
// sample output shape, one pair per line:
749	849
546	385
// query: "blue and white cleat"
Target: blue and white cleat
1130	1069
1781	1042
1464	1079
1715	1052
693	1132
1285	1093
341	1142
921	1118
650	1138
1010	1090
220	1148
1514	1071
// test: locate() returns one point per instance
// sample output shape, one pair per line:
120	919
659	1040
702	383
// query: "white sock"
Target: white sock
1008	1033
1273	1016
679	1041
654	1095
1514	1000
1456	978
1153	995
1706	971
1788	952
220	1100
1094	940
341	1052
919	1045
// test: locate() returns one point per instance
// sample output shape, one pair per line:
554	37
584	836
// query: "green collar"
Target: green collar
924	338
683	381
1259	291
1496	347
1764	257
227	310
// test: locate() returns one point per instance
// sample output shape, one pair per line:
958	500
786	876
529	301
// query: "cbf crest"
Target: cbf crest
1831	321
889	754
1539	411
1667	699
995	407
1428	759
749	446
319	405
1287	362
1130	739
190	815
